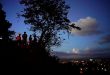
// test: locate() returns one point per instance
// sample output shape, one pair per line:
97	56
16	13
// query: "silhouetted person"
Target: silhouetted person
35	39
18	39
30	39
24	36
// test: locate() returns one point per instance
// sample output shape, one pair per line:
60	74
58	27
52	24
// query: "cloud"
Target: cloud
75	51
98	50
93	52
88	25
63	54
105	39
87	49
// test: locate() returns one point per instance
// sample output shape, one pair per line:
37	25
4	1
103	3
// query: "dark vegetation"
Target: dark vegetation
48	17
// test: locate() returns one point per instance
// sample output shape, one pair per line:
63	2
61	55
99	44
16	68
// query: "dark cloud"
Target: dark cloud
105	39
88	25
87	53
99	50
68	55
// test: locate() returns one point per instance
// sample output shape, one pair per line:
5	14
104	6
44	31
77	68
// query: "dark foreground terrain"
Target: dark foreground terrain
34	59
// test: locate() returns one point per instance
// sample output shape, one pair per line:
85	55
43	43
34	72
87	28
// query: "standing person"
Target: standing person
18	39
30	39
24	37
35	39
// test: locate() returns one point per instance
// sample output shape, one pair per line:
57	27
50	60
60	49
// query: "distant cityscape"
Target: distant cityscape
87	64
94	66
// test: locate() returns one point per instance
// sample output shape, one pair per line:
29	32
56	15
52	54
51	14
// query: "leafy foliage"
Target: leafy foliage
48	17
5	33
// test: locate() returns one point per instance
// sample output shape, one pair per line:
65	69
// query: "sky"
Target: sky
93	16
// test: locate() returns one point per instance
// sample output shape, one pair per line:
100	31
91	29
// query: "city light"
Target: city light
93	65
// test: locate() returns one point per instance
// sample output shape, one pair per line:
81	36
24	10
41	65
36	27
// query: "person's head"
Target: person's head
30	35
24	32
19	34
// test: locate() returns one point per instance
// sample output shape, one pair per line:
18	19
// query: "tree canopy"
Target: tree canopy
48	18
5	33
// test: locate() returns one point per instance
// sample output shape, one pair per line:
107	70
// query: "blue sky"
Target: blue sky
92	15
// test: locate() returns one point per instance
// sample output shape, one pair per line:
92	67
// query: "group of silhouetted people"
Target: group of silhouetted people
22	40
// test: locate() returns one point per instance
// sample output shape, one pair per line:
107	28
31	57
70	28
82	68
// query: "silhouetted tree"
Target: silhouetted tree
5	33
48	17
73	26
